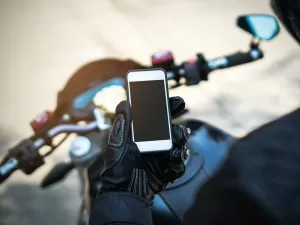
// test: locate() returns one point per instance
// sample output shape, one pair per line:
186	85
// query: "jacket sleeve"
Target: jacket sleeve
259	182
120	208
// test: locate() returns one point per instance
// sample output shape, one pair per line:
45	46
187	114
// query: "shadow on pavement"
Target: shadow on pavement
19	202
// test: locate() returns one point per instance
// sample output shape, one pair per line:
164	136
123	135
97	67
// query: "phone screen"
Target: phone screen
149	110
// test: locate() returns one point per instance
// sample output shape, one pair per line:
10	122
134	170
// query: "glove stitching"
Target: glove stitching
136	177
140	182
144	182
131	180
121	118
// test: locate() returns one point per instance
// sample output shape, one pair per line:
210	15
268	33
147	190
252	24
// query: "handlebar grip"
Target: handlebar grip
8	168
235	59
241	58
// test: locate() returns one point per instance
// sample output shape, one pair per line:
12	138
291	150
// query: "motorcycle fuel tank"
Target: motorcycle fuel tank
208	147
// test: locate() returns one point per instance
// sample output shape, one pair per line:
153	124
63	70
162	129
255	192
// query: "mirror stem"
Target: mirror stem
254	43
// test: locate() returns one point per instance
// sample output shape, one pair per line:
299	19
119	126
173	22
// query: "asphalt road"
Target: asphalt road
43	42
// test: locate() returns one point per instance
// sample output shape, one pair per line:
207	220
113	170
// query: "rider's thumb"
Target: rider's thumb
121	127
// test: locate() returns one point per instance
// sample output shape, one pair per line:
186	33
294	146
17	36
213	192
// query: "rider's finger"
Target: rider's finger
180	134
177	105
179	155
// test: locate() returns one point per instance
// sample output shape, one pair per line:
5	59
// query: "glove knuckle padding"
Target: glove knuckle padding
180	135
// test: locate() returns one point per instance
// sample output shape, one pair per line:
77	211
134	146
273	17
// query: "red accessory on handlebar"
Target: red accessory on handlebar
192	62
40	120
162	57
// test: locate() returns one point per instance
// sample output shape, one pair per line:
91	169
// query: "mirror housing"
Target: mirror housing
261	26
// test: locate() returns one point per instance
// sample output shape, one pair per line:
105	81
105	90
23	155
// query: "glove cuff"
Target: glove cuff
138	185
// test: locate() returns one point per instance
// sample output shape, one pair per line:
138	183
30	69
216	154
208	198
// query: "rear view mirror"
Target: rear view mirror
261	26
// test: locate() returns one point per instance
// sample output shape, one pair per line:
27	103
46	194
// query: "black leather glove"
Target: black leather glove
125	169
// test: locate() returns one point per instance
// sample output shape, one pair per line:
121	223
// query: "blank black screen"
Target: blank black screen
149	110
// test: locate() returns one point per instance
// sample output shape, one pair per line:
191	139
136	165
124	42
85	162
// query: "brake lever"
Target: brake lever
102	123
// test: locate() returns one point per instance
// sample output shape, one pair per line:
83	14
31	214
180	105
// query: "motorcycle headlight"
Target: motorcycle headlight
108	98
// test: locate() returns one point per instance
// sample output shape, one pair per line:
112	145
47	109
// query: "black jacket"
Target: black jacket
120	208
259	184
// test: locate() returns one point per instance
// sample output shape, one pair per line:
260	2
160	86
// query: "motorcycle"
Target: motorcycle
79	112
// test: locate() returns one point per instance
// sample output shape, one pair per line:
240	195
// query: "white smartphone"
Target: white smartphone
149	99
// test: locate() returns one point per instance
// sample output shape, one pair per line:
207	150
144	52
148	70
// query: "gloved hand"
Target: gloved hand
126	169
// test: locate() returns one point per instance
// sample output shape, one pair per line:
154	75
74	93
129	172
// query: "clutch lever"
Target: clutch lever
102	122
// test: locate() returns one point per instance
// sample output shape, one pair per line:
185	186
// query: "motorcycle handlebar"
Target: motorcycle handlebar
8	168
11	165
65	128
235	59
195	71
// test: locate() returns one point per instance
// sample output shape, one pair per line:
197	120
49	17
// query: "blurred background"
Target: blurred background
43	42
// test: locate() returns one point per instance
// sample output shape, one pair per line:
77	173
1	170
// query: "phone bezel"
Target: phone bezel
150	75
